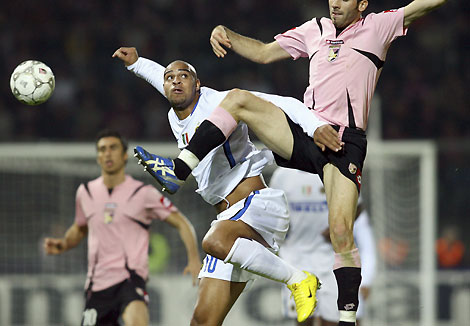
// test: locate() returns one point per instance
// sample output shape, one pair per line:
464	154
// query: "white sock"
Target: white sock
347	316
189	158
252	256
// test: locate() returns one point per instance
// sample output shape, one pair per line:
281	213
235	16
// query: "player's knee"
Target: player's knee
238	99
214	246
136	319
136	313
217	242
341	235
339	229
199	319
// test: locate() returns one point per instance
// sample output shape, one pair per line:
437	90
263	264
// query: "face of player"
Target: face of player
181	86
110	155
346	12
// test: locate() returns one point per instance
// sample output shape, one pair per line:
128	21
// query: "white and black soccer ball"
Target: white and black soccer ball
32	82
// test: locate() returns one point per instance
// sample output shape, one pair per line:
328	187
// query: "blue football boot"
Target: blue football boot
161	168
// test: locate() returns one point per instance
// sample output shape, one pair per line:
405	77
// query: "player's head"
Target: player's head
345	12
111	148
181	84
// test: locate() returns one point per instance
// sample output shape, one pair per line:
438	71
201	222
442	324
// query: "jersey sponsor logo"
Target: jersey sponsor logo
390	10
335	42
109	210
308	206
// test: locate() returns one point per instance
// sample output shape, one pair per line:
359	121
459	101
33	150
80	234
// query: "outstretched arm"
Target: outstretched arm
72	238
419	8
128	55
247	47
188	236
151	71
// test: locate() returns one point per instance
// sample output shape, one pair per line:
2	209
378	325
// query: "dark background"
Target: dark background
423	88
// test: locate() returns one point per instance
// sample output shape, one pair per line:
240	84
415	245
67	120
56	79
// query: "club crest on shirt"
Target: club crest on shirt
333	50
109	209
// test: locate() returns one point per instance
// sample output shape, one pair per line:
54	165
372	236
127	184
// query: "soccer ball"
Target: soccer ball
32	82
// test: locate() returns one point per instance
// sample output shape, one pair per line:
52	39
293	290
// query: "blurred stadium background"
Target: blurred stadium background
47	151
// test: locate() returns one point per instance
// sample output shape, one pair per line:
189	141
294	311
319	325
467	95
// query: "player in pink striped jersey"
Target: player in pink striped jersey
346	54
116	212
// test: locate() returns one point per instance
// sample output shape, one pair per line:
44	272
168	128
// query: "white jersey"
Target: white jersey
305	245
225	166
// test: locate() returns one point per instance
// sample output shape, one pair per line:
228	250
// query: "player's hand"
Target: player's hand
218	38
128	55
326	136
54	246
193	268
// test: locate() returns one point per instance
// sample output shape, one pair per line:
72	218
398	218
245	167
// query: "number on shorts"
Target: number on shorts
89	317
210	264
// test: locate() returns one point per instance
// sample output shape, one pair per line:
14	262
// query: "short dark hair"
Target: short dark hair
112	133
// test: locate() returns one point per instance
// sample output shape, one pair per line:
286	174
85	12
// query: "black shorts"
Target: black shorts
308	157
104	307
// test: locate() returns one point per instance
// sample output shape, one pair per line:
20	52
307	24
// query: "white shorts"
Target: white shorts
266	211
216	268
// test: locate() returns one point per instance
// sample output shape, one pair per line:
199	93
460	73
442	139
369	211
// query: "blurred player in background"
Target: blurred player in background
251	218
116	211
308	243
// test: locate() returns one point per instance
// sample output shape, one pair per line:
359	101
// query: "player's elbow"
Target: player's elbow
272	52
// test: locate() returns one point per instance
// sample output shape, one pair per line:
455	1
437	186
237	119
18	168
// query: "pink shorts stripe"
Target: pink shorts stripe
223	120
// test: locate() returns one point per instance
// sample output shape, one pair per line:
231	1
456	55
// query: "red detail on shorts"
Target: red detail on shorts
359	178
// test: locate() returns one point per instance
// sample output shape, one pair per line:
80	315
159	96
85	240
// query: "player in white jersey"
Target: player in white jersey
308	244
116	212
229	178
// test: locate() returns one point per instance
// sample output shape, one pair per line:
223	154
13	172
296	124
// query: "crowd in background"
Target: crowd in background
423	89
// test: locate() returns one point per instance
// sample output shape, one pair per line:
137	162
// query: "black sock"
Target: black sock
349	280
207	137
182	170
346	323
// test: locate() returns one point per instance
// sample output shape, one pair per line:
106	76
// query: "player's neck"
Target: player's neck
186	112
111	180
